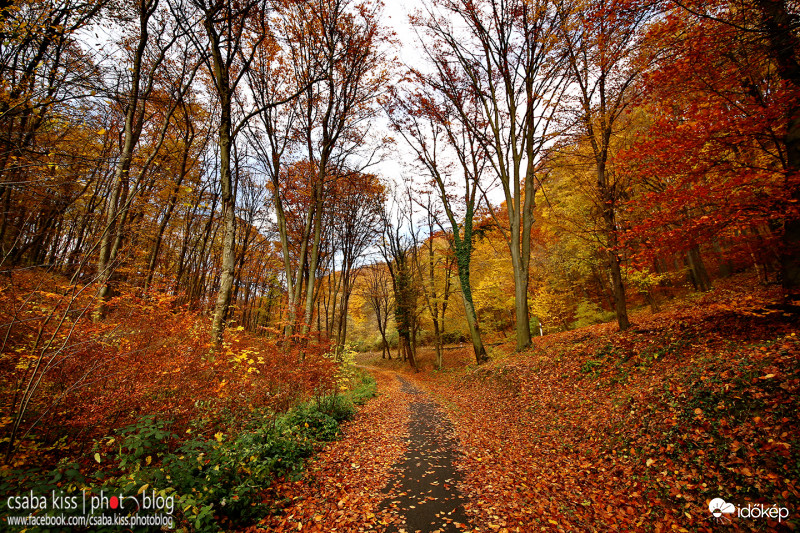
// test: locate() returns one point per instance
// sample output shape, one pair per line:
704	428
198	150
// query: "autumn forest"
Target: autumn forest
455	265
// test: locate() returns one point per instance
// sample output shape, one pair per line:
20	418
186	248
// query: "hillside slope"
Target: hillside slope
595	429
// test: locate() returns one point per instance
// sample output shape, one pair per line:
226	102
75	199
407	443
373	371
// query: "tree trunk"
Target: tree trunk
229	223
618	286
615	261
469	309
382	328
698	269
314	259
437	342
131	132
173	200
783	45
521	309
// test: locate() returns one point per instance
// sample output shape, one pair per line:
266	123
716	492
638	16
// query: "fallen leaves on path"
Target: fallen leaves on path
597	430
342	486
590	430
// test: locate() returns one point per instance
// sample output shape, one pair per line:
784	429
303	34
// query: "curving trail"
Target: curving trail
423	491
392	471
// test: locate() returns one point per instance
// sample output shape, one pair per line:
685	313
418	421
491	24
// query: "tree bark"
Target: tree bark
698	269
228	203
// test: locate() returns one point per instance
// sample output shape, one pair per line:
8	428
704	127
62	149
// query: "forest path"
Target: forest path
391	471
423	487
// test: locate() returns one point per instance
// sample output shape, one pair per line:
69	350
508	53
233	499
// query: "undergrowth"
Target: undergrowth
207	480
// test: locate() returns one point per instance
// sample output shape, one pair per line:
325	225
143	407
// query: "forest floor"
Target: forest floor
589	430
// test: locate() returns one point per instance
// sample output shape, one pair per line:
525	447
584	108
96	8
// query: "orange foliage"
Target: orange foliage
150	357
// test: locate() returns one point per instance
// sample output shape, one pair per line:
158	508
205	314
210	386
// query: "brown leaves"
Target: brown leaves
342	486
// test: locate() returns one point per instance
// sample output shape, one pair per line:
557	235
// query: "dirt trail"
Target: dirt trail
423	490
392	471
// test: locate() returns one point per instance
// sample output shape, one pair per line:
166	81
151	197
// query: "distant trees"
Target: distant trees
355	223
107	155
397	249
377	293
42	70
332	51
435	262
143	84
432	125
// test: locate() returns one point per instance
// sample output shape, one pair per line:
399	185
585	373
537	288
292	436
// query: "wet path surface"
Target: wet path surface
424	490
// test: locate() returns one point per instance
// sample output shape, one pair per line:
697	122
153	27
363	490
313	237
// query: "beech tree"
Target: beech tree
332	49
768	29
431	126
354	220
336	112
43	71
232	38
602	42
273	135
141	80
231	35
715	162
502	55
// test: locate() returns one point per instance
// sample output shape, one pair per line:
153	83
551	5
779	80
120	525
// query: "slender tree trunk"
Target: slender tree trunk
614	258
229	223
437	342
131	132
314	259
107	239
228	264
173	200
618	288
469	308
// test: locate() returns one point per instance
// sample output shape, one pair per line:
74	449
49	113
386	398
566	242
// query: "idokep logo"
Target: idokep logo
720	508
759	510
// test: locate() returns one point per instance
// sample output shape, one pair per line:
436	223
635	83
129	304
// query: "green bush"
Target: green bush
222	476
147	438
314	425
454	337
338	407
365	389
393	338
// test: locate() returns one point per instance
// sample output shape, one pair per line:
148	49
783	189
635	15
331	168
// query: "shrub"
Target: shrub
588	313
364	390
453	337
216	478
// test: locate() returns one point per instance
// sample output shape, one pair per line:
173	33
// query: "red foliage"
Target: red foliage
712	161
149	357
